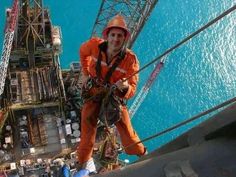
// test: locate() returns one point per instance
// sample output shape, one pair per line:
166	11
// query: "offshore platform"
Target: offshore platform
40	105
32	90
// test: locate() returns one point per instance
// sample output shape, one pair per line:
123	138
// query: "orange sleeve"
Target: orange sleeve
133	67
85	53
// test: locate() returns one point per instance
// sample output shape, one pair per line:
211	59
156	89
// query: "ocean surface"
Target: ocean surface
197	76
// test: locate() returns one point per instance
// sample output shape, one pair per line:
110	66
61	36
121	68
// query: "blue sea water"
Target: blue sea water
197	76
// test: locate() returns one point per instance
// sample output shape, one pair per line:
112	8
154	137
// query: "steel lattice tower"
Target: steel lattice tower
31	24
136	12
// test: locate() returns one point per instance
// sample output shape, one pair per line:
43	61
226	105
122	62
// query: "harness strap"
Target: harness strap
114	66
120	57
98	64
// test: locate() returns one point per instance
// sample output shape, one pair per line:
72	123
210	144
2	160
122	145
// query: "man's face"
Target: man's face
115	38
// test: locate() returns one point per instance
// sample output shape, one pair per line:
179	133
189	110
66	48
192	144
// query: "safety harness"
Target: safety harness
120	57
110	110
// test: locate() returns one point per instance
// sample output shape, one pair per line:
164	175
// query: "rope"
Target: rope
185	122
184	40
167	52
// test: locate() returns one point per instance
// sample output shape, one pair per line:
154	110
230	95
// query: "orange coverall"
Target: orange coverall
89	52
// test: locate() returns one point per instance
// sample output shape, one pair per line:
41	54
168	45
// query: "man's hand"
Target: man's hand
122	84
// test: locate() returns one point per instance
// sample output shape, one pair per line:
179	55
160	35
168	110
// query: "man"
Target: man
97	57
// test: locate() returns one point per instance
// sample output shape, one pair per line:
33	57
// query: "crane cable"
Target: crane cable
232	100
167	52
